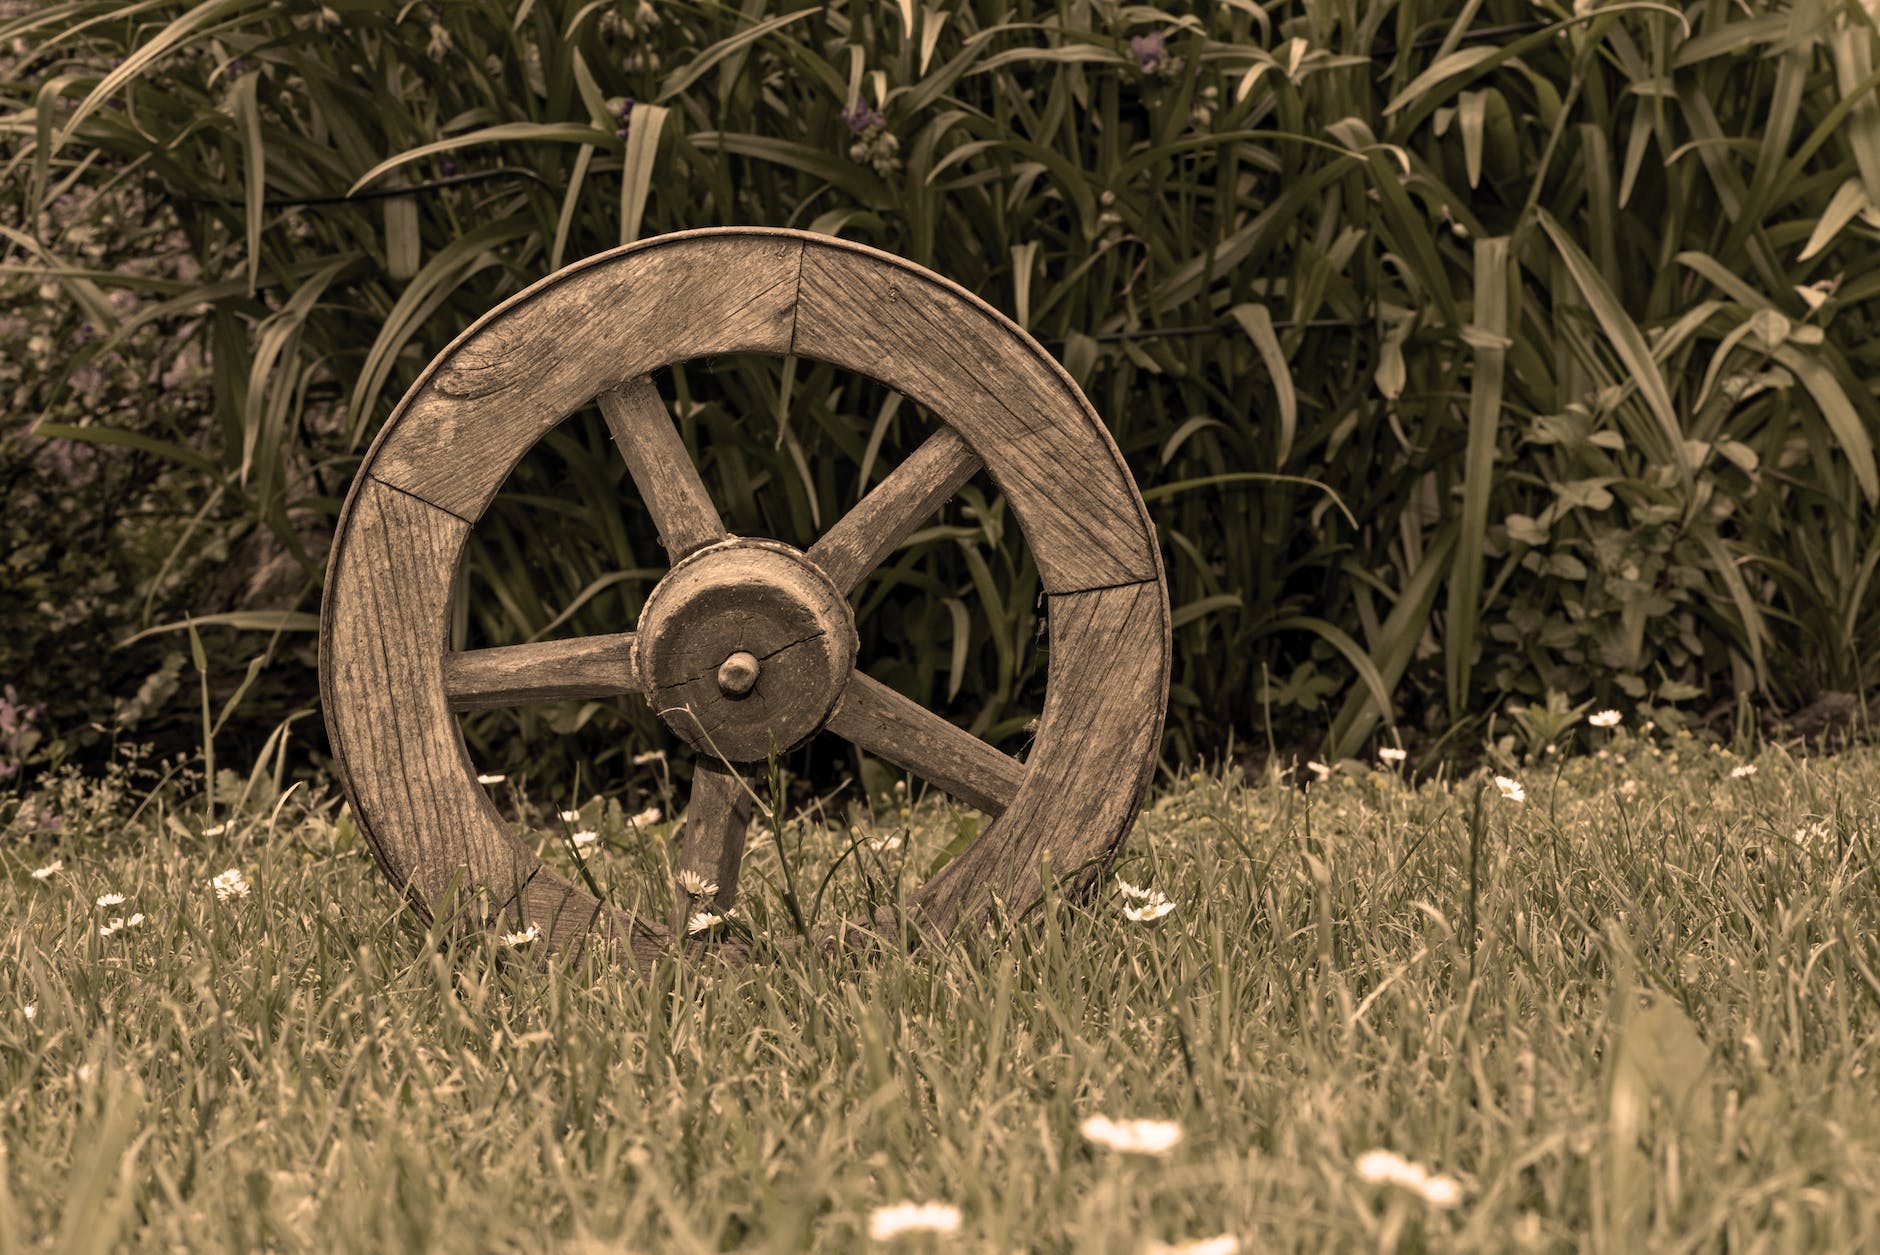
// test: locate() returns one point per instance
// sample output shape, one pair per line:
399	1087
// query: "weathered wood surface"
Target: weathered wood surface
545	353
661	468
1089	766
390	684
948	350
894	509
543	671
550	350
430	826
755	597
913	738
717	821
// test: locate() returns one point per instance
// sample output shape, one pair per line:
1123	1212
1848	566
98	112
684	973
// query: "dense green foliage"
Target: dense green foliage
1557	324
1638	1011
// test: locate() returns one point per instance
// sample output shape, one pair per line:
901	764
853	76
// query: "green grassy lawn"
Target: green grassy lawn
1665	1033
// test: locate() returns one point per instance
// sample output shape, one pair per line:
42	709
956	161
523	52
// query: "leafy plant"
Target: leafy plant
1465	353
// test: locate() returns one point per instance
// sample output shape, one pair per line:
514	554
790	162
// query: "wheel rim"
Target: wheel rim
390	686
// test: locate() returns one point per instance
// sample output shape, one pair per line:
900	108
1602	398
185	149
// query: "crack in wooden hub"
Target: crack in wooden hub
744	645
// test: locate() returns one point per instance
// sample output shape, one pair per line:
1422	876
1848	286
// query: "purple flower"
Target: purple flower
236	67
9	768
447	166
1147	50
861	116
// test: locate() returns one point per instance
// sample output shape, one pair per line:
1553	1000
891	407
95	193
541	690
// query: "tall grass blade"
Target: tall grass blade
637	174
1488	346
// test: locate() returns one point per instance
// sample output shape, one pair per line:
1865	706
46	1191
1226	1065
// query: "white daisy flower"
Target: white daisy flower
643	818
893	841
110	899
1511	789
491	778
570	817
1605	719
1811	834
583	841
1319	769
1135	1137
30	1010
1136	891
1150	911
1392	755
1385	1167
134	920
524	937
1224	1244
702	921
230	884
885	1223
1742	770
51	869
651	756
697	885
218	830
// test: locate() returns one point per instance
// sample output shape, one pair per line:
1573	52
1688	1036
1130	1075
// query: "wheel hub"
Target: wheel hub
743	646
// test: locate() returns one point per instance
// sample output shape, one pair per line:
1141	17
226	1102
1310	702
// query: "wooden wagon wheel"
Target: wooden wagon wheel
744	641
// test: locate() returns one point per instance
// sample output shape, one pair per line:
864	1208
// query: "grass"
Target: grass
1668	1041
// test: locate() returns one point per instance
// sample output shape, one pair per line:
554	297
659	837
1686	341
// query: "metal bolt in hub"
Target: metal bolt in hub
738	673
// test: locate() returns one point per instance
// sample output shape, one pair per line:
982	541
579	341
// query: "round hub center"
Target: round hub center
743	646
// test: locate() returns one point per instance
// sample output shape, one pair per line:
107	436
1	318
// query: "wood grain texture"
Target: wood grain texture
1042	443
1090	765
717	820
913	738
662	470
894	508
388	689
745	596
550	350
542	671
431	827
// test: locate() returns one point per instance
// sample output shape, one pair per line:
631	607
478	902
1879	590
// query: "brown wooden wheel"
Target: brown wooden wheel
745	642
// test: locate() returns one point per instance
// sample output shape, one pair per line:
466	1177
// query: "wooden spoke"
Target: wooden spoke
896	506
661	468
910	736
712	847
546	671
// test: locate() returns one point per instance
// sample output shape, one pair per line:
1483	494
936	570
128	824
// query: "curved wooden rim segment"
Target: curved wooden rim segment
388	691
431	827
